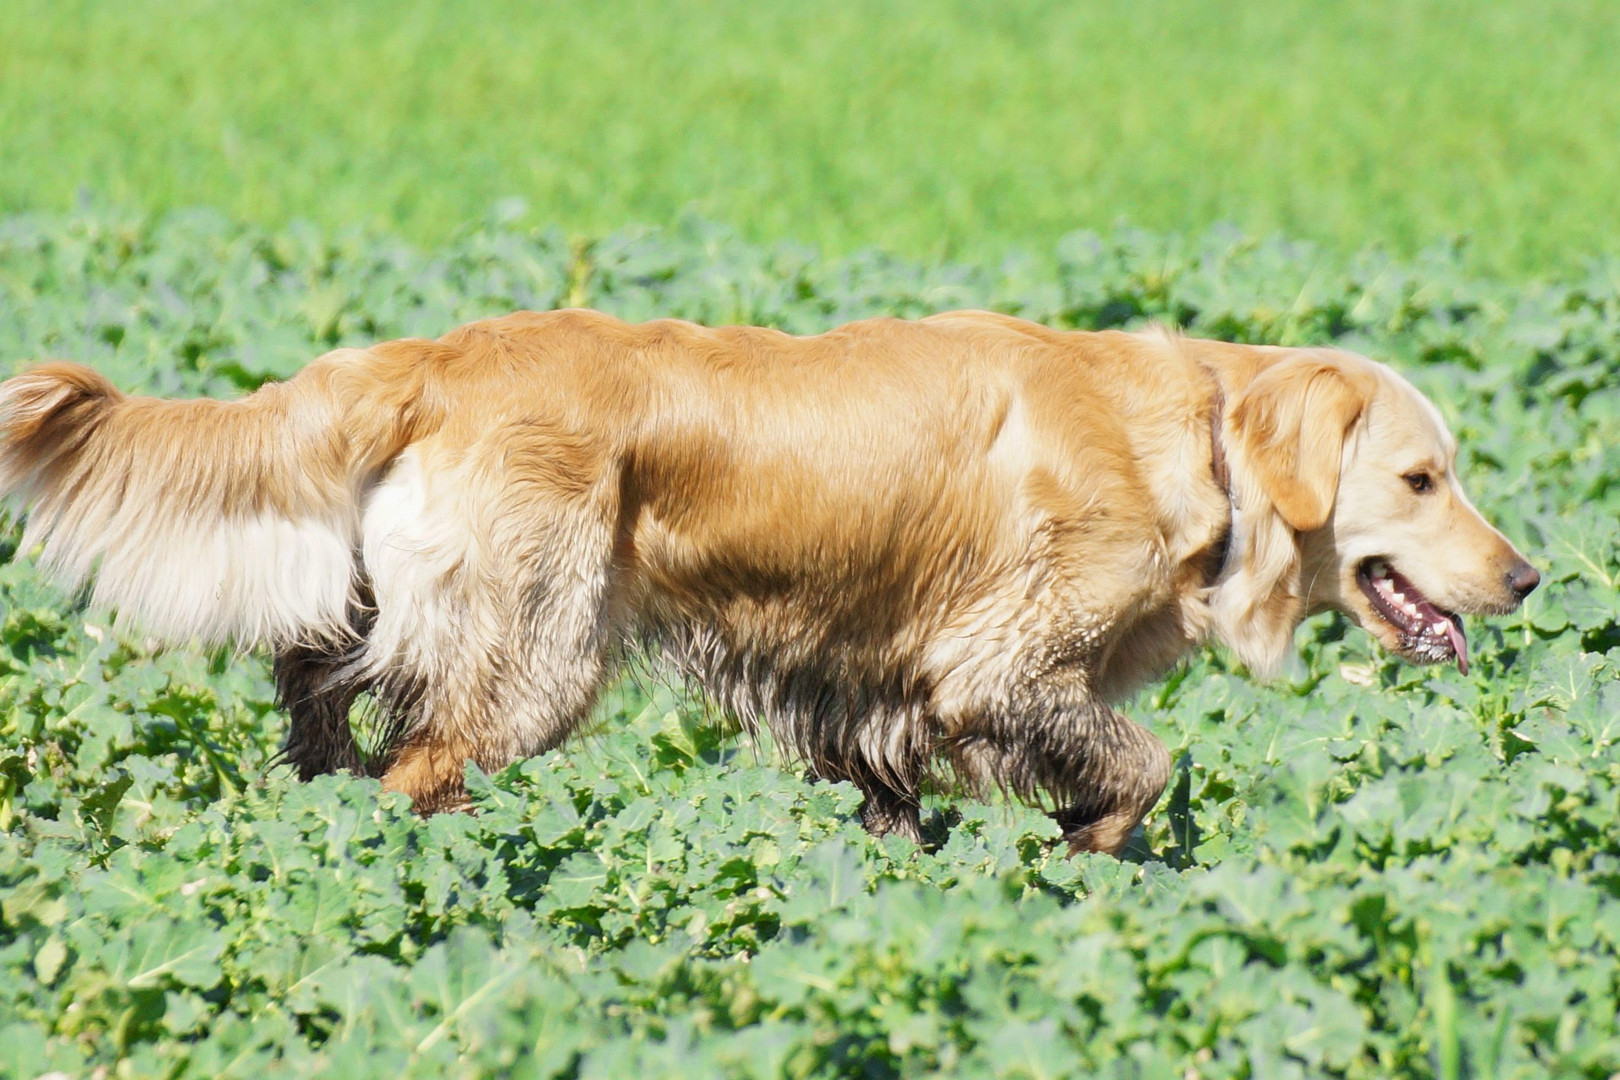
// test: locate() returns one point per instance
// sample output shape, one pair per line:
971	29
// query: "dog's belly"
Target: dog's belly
817	614
829	694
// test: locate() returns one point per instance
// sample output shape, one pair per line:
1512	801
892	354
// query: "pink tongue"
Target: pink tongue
1459	644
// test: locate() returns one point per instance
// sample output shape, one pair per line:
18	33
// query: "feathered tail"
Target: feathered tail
218	520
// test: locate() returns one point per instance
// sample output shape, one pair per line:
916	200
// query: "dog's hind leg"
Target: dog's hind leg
492	631
315	689
317	685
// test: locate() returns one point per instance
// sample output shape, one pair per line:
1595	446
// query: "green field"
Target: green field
920	128
1361	870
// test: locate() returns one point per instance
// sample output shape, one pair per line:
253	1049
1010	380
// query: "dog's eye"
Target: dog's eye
1419	482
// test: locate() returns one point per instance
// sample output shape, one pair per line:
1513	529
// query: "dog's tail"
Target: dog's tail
218	520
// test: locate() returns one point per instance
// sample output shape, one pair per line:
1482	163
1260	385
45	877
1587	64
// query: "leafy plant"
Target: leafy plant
1361	870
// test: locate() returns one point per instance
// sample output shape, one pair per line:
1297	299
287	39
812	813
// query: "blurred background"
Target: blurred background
926	129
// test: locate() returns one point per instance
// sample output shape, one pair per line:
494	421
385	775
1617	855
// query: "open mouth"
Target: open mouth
1428	634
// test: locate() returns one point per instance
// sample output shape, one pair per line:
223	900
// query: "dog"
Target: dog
929	551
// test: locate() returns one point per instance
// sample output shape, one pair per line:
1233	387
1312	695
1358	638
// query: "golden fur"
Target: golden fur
915	549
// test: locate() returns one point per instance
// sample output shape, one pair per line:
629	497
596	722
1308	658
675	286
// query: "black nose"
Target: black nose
1523	579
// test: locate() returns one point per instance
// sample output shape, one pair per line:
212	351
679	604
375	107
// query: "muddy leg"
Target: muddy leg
890	812
1053	744
310	686
1116	782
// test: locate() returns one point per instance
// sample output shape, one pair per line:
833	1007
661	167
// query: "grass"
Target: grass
923	128
1362	869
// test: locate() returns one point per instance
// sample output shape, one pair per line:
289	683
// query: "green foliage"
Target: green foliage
1361	870
921	126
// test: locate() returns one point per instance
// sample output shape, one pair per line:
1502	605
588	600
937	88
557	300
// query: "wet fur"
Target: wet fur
932	550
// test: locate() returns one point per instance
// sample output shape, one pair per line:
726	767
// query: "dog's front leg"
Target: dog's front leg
1055	743
1118	776
889	812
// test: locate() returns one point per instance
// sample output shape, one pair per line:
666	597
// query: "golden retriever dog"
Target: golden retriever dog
929	550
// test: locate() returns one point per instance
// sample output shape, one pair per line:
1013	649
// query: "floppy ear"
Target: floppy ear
1291	423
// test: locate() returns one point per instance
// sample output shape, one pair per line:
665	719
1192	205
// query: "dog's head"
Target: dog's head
1344	477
